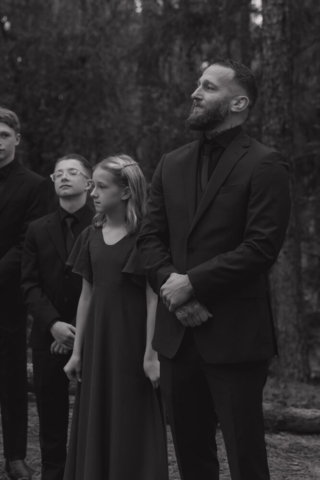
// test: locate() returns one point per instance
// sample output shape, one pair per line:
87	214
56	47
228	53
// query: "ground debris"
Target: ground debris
291	419
291	456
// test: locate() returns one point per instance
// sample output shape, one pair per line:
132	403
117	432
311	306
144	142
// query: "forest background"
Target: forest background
99	77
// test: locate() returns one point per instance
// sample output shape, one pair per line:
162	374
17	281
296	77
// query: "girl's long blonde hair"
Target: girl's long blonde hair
127	173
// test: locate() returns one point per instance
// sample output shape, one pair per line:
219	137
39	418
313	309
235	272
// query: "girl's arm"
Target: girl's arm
151	363
73	367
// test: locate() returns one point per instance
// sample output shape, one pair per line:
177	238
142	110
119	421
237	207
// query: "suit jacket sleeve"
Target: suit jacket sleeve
39	305
154	240
267	220
10	263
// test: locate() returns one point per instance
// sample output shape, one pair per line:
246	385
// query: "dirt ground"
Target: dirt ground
291	457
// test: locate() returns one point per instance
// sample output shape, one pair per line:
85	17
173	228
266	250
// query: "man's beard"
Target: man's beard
208	120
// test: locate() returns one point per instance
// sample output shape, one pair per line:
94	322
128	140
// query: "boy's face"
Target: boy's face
9	139
71	183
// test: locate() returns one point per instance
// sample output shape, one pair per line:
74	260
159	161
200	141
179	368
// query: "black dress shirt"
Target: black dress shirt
78	215
214	148
5	172
63	214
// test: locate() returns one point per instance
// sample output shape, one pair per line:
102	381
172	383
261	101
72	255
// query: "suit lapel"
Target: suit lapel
189	174
233	153
54	230
13	182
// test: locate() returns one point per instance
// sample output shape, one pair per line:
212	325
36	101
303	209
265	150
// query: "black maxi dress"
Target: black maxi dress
118	428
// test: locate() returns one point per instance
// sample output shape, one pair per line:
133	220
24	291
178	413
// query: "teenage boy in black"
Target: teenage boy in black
23	198
51	293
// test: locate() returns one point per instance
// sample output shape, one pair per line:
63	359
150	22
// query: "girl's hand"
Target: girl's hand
73	368
151	367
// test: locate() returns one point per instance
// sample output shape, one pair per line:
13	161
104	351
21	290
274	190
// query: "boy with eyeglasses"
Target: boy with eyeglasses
51	293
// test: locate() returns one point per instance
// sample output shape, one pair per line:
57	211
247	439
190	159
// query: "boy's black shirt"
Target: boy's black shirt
51	290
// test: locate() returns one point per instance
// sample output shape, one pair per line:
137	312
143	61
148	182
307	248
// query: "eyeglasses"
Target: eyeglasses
73	172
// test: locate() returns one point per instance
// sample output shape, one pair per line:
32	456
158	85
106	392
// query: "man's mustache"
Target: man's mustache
194	105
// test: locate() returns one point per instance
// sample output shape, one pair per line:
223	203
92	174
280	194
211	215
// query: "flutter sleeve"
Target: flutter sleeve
134	269
79	257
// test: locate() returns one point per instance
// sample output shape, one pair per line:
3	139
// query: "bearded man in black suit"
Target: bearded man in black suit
216	221
23	198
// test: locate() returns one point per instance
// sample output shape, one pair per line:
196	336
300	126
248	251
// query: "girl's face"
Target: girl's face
107	195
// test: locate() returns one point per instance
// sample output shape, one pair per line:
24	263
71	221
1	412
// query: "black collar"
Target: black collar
224	138
6	170
78	215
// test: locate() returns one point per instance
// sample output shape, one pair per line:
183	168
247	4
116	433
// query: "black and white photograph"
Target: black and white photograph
159	240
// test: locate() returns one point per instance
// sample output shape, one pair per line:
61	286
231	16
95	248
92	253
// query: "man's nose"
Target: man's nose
197	94
93	192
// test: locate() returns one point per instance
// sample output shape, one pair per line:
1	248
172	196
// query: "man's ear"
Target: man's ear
88	186
18	138
239	103
126	194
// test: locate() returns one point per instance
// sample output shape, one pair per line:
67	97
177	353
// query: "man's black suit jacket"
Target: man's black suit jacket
51	290
226	245
23	199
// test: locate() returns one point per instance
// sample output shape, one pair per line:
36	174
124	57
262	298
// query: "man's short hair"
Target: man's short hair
10	118
243	76
74	156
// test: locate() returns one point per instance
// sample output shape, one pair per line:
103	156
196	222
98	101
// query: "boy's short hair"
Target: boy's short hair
10	118
74	156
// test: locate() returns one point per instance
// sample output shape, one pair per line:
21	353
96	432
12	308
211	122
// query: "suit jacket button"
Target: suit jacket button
65	299
66	276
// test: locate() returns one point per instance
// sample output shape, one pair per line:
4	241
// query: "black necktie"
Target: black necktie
69	235
206	152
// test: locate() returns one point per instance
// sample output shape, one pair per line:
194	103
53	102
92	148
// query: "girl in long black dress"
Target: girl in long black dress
118	429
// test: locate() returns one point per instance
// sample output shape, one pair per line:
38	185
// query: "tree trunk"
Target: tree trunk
244	33
277	132
291	419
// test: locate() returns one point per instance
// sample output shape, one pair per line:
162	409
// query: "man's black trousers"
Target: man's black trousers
13	388
198	395
51	389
